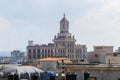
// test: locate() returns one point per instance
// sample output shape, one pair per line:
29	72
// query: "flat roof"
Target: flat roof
52	59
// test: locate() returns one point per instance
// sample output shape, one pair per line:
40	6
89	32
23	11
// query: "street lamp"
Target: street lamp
57	75
63	76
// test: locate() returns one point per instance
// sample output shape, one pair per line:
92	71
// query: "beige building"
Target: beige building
101	54
63	46
100	72
103	49
113	58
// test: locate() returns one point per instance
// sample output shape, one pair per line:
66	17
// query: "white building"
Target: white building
63	46
53	64
17	56
4	59
118	50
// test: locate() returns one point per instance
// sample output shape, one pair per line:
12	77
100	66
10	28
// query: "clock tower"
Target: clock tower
64	39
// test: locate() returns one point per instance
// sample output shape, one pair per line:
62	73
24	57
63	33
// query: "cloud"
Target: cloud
106	16
5	25
92	22
99	26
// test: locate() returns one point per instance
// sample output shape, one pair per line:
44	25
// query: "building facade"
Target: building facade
103	49
63	46
53	64
118	50
4	59
99	72
100	54
17	56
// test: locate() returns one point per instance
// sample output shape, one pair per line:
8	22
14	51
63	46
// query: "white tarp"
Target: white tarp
21	71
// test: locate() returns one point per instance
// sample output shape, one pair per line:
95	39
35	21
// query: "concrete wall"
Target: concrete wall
47	65
103	49
101	73
104	75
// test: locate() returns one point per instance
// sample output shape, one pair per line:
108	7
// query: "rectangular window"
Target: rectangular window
34	51
38	51
29	51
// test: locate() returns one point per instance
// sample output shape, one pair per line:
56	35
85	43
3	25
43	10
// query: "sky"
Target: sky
92	22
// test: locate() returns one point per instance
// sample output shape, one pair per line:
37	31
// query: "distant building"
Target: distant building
63	46
4	59
118	50
99	54
17	56
103	49
103	54
113	58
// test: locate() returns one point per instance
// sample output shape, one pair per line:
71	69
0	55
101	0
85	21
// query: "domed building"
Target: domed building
63	46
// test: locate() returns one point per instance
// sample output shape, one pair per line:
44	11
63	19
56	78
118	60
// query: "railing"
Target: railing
3	79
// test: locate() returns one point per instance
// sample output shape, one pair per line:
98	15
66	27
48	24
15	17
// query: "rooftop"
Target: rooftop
52	59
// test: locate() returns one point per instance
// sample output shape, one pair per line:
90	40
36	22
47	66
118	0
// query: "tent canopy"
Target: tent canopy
21	71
